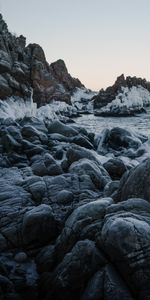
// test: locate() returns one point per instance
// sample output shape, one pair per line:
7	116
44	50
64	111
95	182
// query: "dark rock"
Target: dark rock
10	144
23	67
97	173
30	149
45	259
61	74
37	187
119	140
65	197
60	128
79	189
85	222
94	289
72	274
6	288
39	226
22	276
58	154
115	167
125	239
5	63
136	183
106	96
111	188
28	132
106	283
114	287
6	90
82	141
45	165
75	153
20	257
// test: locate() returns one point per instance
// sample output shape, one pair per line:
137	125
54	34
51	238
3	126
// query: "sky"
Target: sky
98	39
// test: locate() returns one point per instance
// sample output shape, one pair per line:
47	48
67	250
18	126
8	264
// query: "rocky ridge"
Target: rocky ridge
126	97
24	67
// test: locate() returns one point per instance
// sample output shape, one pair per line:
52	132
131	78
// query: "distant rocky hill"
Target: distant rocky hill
24	67
126	96
106	96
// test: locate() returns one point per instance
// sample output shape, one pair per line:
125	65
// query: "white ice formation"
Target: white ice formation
133	99
18	108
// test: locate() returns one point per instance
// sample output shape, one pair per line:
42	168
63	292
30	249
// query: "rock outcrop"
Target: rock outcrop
105	97
24	67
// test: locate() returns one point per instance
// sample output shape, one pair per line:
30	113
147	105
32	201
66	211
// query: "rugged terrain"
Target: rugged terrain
74	215
126	97
74	205
24	67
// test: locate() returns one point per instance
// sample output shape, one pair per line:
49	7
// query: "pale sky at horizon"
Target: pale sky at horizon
98	39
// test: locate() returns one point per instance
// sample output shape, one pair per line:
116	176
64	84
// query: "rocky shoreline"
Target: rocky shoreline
74	205
74	212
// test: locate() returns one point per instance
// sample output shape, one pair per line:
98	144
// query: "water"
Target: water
140	123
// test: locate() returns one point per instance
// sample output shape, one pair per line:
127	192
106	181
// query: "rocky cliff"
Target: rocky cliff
24	67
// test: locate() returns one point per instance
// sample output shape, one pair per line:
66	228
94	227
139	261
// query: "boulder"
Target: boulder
72	274
97	173
84	222
39	226
120	141
45	165
115	167
82	141
60	128
136	183
106	282
125	238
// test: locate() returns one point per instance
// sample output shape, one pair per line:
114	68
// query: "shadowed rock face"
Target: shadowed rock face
22	67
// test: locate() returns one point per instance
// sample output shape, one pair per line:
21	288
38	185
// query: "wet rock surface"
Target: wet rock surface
74	224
